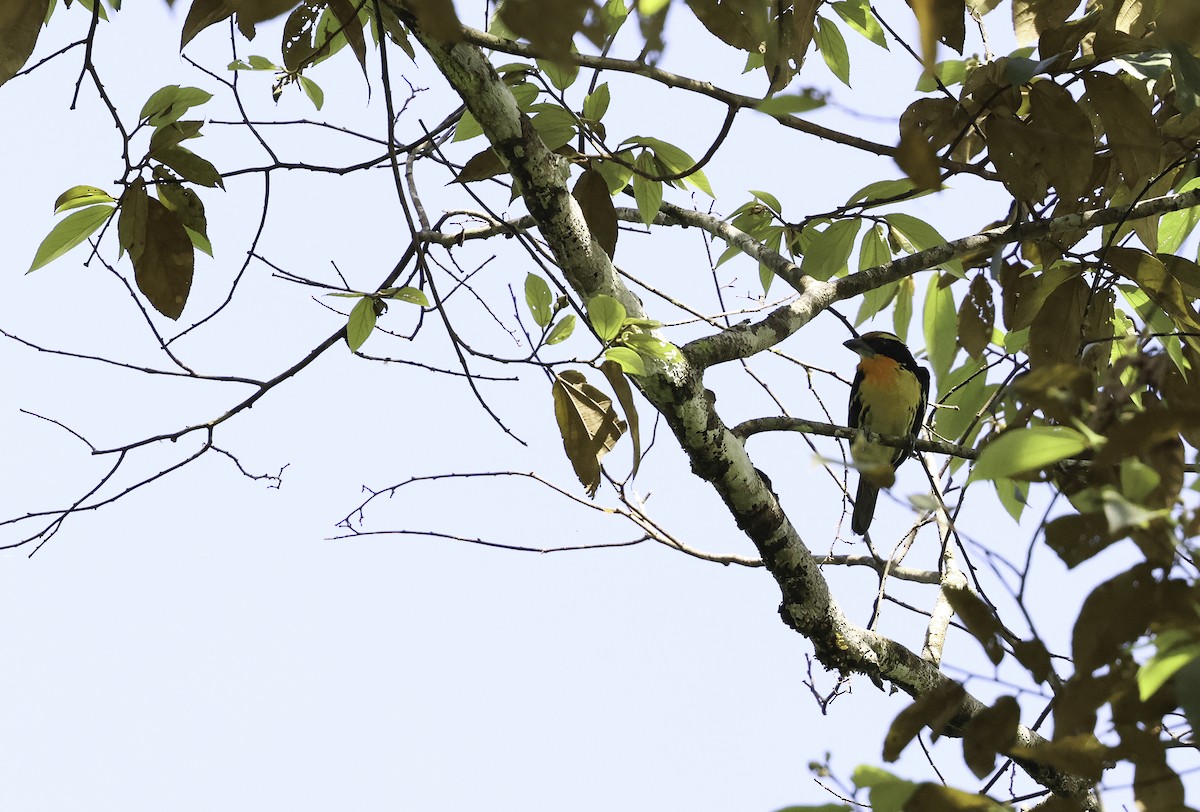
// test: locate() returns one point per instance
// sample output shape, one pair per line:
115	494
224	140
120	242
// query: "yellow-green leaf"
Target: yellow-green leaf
361	323
70	232
1025	450
538	298
79	196
606	315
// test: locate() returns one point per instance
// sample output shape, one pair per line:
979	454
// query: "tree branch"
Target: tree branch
716	454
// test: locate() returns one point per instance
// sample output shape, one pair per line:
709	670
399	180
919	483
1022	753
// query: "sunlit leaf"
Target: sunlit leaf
647	193
833	49
313	91
1024	450
614	371
829	252
79	196
407	294
70	232
538	298
606	315
940	326
562	331
1175	650
629	360
169	103
361	323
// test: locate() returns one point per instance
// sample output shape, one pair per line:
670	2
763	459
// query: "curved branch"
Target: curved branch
742	341
676	390
726	97
759	425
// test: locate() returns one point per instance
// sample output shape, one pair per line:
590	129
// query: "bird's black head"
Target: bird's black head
869	345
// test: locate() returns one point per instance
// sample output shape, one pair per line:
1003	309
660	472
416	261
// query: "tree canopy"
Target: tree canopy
536	196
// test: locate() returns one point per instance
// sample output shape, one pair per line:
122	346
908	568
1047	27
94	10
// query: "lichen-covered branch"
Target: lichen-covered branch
677	391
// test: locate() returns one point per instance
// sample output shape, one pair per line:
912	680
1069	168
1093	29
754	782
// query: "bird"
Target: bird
889	396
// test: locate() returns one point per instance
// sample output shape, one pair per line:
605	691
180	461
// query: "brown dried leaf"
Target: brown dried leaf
588	423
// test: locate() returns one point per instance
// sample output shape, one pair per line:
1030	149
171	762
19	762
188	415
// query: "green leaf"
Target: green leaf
858	15
562	331
361	323
922	236
606	315
189	165
1185	69
134	216
833	49
406	294
653	347
23	23
467	127
1025	450
1176	649
1013	495
829	252
902	314
262	63
950	72
164	267
596	103
561	75
791	105
187	206
70	232
613	16
674	160
629	360
941	326
769	200
537	296
313	91
171	134
885	190
647	193
79	196
169	103
614	372
1175	226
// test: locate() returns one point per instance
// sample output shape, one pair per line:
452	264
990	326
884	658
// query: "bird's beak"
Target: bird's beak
859	346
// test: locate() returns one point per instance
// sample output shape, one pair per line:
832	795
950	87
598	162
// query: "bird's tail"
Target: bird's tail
864	507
